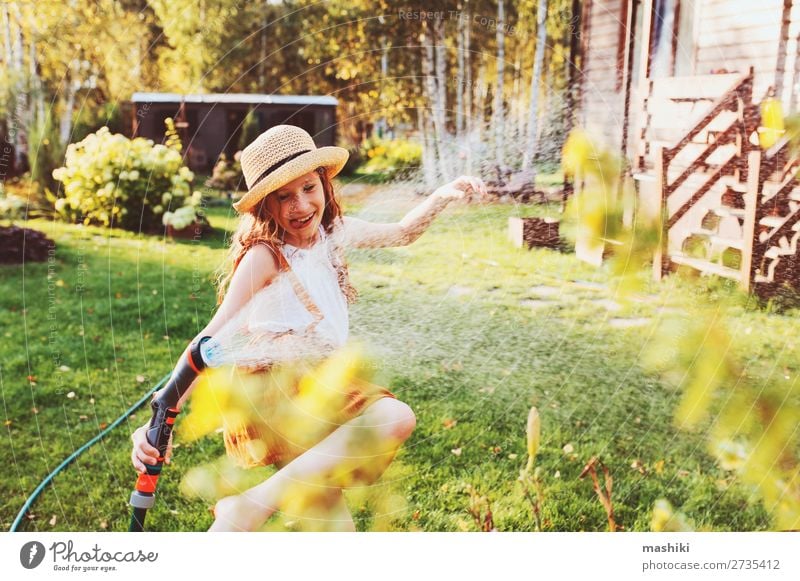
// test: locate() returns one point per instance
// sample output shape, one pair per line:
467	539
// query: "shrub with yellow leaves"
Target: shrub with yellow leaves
753	424
596	214
286	411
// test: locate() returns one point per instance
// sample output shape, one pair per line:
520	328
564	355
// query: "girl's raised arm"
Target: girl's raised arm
362	234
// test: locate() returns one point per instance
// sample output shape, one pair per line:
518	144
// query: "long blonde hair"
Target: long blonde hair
259	226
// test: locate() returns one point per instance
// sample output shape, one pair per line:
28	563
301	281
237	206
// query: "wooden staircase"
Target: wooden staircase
729	208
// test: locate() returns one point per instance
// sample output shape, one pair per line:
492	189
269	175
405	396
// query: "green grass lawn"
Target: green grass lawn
467	329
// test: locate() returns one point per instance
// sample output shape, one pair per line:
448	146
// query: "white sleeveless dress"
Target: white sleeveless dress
314	267
279	437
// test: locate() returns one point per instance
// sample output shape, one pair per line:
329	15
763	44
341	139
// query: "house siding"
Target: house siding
602	108
730	35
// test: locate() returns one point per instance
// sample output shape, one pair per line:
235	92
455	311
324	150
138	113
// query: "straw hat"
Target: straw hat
278	156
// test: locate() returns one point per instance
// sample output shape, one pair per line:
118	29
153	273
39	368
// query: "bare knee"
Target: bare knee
394	417
403	420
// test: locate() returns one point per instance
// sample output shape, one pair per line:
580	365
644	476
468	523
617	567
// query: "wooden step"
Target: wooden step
734	184
735	243
726	211
703	233
772	221
706	267
717	240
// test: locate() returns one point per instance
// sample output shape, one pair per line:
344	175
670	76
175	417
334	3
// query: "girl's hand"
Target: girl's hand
465	188
143	453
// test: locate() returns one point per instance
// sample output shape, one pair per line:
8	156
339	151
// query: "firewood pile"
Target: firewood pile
534	232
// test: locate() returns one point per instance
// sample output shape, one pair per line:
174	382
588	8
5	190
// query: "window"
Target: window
672	45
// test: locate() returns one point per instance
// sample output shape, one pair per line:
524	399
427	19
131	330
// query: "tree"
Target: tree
536	79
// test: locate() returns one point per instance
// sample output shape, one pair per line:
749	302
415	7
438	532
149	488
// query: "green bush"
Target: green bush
395	158
111	180
11	207
250	130
354	161
227	174
92	117
45	152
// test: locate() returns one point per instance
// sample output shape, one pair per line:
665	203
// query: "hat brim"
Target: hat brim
331	158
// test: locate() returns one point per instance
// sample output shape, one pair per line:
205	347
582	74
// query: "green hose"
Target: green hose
32	498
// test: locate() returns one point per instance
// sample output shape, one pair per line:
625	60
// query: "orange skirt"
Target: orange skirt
294	417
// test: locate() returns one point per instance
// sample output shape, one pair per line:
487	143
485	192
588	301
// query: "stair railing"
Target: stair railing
739	100
759	238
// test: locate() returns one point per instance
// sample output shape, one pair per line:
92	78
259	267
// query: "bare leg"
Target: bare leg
329	514
355	453
340	518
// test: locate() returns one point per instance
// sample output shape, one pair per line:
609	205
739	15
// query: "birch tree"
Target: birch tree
536	77
498	116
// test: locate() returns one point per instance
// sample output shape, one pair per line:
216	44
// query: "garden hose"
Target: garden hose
165	410
32	498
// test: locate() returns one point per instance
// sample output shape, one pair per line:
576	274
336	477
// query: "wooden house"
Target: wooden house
677	86
212	124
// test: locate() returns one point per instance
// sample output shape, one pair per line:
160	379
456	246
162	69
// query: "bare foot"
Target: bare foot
239	513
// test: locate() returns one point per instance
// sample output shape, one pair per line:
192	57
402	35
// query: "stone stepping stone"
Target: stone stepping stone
536	303
607	304
459	291
628	323
589	285
544	290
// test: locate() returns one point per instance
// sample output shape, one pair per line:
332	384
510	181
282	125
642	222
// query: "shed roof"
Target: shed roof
242	98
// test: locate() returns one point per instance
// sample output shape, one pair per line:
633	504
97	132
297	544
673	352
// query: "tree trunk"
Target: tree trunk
516	109
19	119
65	125
37	91
497	112
460	82
428	152
442	135
536	78
427	111
262	63
7	52
468	124
382	125
479	93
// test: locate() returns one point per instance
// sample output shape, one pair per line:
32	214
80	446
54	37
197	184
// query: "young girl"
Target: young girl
292	222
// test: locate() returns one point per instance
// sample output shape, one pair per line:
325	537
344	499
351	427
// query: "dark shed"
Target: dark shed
212	124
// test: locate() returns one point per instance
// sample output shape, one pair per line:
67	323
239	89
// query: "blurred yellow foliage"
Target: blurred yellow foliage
667	520
753	424
772	124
